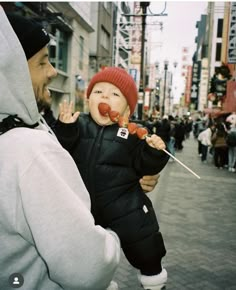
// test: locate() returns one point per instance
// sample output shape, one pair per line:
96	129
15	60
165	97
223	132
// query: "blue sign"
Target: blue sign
133	73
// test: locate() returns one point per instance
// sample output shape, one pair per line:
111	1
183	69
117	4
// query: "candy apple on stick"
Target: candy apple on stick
141	132
104	109
123	121
114	116
132	128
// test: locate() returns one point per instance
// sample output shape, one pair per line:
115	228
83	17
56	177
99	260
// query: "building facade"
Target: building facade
101	40
215	59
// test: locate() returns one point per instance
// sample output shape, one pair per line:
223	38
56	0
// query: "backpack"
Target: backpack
12	121
231	139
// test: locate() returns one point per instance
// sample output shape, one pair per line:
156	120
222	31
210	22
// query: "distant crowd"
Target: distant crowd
172	129
217	137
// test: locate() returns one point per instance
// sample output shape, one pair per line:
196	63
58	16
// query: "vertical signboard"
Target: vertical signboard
188	85
232	34
134	73
152	76
146	99
203	89
195	81
136	38
185	61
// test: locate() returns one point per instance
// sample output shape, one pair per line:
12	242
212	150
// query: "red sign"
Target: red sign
188	85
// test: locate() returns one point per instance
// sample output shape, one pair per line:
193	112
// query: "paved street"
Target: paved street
198	222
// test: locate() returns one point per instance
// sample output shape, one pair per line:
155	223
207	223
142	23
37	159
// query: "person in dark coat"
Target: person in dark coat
163	128
111	162
220	146
179	135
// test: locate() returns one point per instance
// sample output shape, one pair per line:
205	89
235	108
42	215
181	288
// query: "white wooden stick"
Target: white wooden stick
181	163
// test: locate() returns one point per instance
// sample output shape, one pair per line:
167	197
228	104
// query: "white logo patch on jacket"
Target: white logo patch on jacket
123	133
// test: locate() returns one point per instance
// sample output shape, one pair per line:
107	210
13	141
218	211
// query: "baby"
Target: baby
111	161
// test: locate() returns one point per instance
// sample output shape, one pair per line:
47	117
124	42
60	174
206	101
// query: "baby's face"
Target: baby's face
107	93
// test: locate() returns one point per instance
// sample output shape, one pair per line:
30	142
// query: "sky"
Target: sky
179	27
179	30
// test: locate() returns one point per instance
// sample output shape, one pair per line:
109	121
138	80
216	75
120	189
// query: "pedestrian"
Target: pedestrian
162	128
231	142
47	232
220	146
147	123
171	143
188	127
111	164
205	140
198	127
179	134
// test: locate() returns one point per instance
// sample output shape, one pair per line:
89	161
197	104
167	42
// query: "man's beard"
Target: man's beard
42	100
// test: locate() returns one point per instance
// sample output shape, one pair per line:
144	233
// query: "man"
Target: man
47	233
42	192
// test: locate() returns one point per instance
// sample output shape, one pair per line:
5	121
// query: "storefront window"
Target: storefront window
58	49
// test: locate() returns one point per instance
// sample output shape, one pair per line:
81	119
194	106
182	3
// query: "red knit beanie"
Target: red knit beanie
119	78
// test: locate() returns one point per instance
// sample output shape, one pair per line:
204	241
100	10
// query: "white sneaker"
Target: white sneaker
113	286
156	288
232	169
156	282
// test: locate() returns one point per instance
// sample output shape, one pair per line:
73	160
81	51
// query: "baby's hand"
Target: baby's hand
156	142
66	113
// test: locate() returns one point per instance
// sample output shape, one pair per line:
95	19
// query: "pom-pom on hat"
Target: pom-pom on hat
32	36
119	78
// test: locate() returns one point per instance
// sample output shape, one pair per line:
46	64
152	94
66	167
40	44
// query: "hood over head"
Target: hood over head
16	91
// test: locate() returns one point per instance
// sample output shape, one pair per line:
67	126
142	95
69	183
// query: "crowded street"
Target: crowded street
198	221
118	145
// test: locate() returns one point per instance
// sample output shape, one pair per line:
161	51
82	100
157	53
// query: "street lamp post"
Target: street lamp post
171	97
143	6
157	87
164	91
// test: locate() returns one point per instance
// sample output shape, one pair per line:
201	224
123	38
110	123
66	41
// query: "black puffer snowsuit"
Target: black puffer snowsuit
111	167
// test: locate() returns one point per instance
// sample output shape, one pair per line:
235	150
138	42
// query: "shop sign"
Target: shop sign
232	34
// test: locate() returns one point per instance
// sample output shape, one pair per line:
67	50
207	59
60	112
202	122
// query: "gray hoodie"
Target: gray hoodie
47	233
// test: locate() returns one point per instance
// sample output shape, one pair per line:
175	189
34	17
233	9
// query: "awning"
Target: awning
212	110
216	112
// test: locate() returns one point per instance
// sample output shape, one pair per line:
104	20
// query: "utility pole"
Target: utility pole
144	6
142	82
164	92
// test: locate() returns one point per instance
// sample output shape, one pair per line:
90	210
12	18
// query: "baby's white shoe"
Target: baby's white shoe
113	286
155	282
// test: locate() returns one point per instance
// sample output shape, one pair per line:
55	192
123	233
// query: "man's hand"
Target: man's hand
148	182
66	112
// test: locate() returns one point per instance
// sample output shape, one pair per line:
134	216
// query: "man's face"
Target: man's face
107	93
41	72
